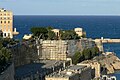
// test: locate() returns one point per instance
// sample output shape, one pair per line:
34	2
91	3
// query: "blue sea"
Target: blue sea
95	27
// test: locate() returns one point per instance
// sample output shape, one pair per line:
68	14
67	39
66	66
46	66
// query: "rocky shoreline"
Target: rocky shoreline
107	60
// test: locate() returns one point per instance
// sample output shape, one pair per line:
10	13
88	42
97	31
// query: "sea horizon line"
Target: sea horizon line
60	15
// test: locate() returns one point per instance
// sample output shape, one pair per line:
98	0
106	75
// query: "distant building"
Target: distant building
8	74
6	23
57	32
79	31
76	72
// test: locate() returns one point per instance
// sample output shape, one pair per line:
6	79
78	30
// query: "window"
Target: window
8	34
5	34
8	21
4	21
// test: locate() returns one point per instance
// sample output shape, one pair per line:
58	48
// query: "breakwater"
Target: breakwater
108	40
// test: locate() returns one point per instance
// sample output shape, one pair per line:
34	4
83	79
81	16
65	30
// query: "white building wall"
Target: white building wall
7	34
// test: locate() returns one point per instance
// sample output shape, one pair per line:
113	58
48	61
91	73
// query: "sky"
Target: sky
62	7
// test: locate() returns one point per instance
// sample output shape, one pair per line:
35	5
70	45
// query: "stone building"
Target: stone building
79	31
76	72
6	23
57	32
54	50
57	49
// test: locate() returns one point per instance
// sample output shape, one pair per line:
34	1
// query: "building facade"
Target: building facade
6	23
57	32
57	49
79	31
54	50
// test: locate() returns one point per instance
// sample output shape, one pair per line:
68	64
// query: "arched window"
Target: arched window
8	34
8	21
5	34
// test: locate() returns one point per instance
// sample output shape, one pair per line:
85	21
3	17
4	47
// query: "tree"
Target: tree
68	35
51	35
93	51
84	35
76	57
1	45
5	57
6	54
87	53
96	50
37	31
49	28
